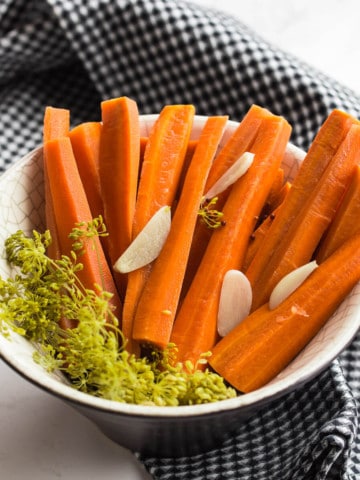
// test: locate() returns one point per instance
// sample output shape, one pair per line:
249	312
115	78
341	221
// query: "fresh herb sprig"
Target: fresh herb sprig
211	217
43	291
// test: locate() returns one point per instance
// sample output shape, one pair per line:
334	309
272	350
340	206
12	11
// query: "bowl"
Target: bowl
151	430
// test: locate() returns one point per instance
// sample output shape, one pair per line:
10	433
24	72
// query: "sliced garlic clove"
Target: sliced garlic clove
289	283
233	173
235	301
148	244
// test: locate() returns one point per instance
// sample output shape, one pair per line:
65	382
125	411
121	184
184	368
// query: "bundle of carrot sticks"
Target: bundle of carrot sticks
269	227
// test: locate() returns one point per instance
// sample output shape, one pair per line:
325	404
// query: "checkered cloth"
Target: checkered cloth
73	54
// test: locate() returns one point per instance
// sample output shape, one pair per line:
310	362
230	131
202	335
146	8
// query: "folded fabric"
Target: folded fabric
75	53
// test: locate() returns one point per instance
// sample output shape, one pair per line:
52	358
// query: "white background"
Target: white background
324	33
43	438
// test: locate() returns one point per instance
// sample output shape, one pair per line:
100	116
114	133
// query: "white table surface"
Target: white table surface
43	438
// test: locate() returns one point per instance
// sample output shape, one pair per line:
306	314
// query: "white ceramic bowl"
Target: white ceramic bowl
165	431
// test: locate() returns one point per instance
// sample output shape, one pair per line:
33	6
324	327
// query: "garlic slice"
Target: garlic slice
289	283
233	173
235	301
148	243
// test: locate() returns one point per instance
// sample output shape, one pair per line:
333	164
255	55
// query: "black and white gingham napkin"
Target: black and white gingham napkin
73	54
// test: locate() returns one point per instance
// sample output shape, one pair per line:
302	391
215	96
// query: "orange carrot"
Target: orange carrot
192	144
56	123
161	169
163	161
275	194
298	244
323	148
71	207
85	142
194	329
278	200
143	142
201	238
258	236
188	156
266	341
190	152
158	302
239	141
276	187
346	220
118	170
256	239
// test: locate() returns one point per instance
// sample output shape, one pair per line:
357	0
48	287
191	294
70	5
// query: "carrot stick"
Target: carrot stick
275	194
160	174
85	142
258	236
323	148
158	302
266	341
194	330
163	161
188	156
346	220
190	153
56	123
238	143
298	244
192	144
143	142
201	238
256	239
118	170
278	200
71	207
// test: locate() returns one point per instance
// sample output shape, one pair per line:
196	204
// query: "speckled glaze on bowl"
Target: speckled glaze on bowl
158	431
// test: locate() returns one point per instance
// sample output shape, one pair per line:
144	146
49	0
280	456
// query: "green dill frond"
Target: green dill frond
28	253
85	231
209	216
205	387
91	354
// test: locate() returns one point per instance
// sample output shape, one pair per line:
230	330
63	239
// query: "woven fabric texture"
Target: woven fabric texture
73	54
